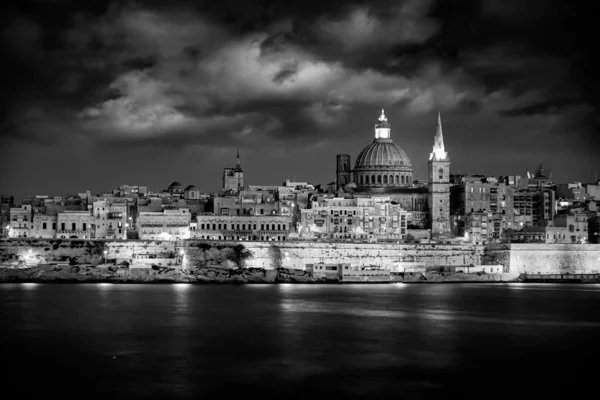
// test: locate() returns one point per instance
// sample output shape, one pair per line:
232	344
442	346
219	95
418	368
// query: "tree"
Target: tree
239	255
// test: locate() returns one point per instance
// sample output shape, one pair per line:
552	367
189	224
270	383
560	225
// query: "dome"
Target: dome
382	166
191	187
174	185
382	153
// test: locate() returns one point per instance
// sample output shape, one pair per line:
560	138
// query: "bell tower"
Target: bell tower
439	186
343	170
233	178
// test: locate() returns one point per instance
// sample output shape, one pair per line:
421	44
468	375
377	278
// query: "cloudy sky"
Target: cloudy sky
98	94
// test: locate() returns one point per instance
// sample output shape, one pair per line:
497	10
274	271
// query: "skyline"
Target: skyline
149	93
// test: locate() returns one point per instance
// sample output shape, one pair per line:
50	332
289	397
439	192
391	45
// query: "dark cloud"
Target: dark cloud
290	78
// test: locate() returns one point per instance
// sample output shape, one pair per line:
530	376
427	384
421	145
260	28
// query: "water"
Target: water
295	341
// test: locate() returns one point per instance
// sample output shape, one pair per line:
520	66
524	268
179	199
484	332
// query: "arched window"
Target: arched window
372	178
402	179
360	179
441	173
391	179
344	167
378	178
397	179
385	179
343	180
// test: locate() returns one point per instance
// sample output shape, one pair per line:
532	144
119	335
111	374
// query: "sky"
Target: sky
100	94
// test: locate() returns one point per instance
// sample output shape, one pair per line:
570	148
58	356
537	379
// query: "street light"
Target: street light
105	253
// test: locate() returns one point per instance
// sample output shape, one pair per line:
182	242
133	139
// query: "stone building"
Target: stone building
165	225
44	226
565	229
131	191
245	202
242	227
111	219
366	218
74	225
474	197
20	221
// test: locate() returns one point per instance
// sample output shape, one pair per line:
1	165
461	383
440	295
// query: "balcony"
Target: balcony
73	232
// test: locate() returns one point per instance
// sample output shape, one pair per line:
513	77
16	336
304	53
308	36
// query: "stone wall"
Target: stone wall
545	258
296	255
21	252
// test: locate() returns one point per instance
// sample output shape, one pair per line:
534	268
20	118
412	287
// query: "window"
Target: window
54	225
73	226
262	227
344	168
85	226
385	179
441	173
44	226
378	178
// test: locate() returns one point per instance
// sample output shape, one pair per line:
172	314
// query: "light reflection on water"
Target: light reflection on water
390	339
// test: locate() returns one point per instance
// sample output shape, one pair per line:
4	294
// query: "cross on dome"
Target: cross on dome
382	117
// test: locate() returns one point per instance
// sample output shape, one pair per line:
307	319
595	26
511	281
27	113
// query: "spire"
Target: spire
239	163
439	151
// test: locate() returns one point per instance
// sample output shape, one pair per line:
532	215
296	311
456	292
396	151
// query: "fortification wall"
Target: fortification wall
518	258
270	255
545	258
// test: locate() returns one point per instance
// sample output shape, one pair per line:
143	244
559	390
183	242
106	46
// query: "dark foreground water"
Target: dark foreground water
294	341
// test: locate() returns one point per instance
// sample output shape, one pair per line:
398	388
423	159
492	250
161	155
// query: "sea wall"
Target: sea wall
545	258
297	255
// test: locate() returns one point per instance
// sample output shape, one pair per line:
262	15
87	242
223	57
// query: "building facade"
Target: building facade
243	227
21	219
44	226
364	219
170	225
74	225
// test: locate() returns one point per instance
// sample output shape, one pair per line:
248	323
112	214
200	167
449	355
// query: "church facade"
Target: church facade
384	168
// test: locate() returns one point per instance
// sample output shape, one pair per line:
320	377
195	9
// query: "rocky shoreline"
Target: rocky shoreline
112	274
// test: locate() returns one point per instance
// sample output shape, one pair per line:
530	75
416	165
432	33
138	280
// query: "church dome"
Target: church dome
191	187
382	153
174	185
382	165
